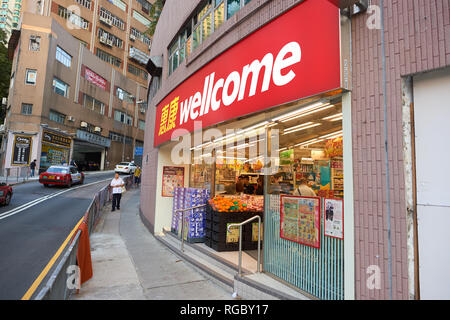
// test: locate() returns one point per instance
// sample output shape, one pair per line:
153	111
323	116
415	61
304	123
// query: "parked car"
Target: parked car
125	167
62	176
5	194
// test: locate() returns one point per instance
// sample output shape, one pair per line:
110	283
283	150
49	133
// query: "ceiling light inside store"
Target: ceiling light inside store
319	109
332	135
262	124
301	112
334	117
316	140
301	127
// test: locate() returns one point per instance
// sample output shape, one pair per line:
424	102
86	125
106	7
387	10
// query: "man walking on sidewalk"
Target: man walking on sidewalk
117	184
33	167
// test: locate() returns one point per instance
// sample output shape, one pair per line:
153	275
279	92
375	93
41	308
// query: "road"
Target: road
33	227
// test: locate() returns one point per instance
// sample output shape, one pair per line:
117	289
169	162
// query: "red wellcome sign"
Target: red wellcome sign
295	56
94	78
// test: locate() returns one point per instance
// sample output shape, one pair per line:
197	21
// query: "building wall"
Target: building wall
417	40
44	98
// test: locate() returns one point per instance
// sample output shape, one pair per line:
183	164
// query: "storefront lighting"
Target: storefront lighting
231	158
301	111
316	140
318	109
201	146
282	149
308	125
332	135
246	130
334	117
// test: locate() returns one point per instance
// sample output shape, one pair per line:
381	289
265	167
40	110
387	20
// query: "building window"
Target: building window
119	4
27	109
124	95
73	18
123	117
139	17
140	36
93	104
60	87
63	57
57	117
108	58
30	76
137	71
85	3
199	27
114	20
105	35
35	43
141	125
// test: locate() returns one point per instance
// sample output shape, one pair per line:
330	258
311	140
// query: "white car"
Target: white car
125	167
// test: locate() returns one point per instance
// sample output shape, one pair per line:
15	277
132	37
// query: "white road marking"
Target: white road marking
42	199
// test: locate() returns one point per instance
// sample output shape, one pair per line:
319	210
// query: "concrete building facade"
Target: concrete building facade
72	104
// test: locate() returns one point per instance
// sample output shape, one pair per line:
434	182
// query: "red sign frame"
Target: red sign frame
313	26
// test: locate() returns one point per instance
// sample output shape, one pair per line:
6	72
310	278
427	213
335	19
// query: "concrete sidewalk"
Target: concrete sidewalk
130	264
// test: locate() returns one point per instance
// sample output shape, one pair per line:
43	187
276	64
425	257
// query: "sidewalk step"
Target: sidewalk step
222	274
249	286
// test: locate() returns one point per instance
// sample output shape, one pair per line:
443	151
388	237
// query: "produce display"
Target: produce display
240	203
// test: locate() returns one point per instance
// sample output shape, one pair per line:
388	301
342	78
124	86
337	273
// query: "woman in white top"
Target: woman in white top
117	183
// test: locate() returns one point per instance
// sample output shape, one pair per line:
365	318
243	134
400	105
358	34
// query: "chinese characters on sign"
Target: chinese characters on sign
172	177
169	116
300	220
334	218
57	139
21	150
94	78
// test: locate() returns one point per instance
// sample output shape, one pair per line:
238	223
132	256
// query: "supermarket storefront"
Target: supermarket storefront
268	130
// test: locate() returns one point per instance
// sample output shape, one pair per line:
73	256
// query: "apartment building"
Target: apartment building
10	13
113	30
66	103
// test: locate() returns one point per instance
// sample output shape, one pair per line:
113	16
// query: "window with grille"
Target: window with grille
63	57
60	87
27	109
108	58
57	117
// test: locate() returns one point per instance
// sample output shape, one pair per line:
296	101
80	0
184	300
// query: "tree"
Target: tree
5	74
154	13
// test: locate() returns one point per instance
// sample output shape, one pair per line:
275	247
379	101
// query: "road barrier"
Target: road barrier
62	283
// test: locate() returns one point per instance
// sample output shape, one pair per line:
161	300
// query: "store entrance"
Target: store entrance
250	166
87	156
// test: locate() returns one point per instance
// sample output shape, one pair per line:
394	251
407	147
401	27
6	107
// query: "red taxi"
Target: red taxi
5	194
61	175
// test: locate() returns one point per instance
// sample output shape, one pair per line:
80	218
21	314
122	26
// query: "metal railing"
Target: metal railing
258	267
182	222
57	286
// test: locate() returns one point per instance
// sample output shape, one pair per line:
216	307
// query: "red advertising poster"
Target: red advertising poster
300	220
297	55
94	78
172	177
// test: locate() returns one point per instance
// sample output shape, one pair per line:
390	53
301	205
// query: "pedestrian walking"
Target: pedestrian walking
137	176
33	167
117	185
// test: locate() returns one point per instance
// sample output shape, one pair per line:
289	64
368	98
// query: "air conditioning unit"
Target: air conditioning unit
70	118
132	37
109	42
105	20
83	124
98	129
103	38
